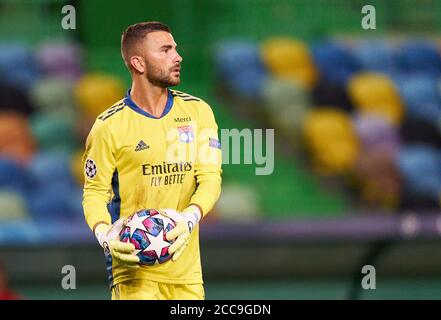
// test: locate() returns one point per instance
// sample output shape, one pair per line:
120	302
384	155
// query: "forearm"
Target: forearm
95	210
207	192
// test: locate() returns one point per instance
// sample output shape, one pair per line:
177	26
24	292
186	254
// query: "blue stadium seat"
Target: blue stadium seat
57	195
376	55
247	83
420	56
52	167
17	65
420	95
420	166
15	177
58	201
239	64
335	62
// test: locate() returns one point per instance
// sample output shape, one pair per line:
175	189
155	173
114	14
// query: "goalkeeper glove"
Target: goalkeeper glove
185	222
121	252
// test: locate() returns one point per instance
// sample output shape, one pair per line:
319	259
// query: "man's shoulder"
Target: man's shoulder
184	95
186	98
111	111
109	119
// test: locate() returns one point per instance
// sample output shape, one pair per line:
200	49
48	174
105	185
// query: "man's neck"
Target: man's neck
150	98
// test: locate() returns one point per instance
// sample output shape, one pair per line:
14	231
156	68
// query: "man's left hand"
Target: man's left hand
180	234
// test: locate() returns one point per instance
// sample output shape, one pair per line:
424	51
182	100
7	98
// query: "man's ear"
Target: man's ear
138	64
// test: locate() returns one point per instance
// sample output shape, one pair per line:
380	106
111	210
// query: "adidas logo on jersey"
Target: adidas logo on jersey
141	146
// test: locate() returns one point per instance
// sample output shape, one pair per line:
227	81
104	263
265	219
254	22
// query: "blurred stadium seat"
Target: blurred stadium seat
377	55
290	59
16	139
375	93
95	93
13	206
376	132
420	94
335	62
61	59
17	65
286	102
15	177
54	94
420	57
331	140
245	56
421	169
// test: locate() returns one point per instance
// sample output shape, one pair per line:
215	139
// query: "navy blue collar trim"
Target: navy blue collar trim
128	101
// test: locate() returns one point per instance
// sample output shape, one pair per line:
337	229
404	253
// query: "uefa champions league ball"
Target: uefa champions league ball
146	229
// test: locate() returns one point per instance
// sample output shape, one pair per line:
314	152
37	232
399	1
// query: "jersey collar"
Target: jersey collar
128	101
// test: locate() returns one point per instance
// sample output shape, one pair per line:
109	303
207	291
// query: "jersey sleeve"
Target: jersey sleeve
99	165
208	163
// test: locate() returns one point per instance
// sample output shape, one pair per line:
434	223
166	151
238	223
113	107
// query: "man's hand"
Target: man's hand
185	222
121	252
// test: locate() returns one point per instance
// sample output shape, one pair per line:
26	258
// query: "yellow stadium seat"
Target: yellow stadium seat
331	140
290	59
375	93
95	93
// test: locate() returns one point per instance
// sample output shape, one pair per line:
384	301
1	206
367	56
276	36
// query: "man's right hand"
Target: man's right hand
122	252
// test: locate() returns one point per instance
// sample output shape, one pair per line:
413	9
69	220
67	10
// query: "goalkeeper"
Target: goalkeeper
155	148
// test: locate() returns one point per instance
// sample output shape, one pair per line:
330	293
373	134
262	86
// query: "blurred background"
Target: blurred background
357	119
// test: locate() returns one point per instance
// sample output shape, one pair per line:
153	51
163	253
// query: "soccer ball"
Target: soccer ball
146	229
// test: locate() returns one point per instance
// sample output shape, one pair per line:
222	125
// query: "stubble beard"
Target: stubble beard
161	78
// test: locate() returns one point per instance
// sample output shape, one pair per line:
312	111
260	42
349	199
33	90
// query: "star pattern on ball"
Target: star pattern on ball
136	223
156	243
166	221
146	230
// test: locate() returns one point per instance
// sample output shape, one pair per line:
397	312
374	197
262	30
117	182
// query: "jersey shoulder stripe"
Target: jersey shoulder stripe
112	110
184	96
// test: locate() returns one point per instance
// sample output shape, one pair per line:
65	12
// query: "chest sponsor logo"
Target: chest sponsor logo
182	119
166	173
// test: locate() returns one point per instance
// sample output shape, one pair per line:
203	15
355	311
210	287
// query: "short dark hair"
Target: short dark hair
136	32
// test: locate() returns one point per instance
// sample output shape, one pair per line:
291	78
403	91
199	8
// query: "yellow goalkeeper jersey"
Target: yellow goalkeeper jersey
135	161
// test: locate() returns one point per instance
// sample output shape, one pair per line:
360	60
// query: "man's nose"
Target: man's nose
178	58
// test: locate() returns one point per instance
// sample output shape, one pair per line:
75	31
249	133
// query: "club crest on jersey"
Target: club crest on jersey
186	134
